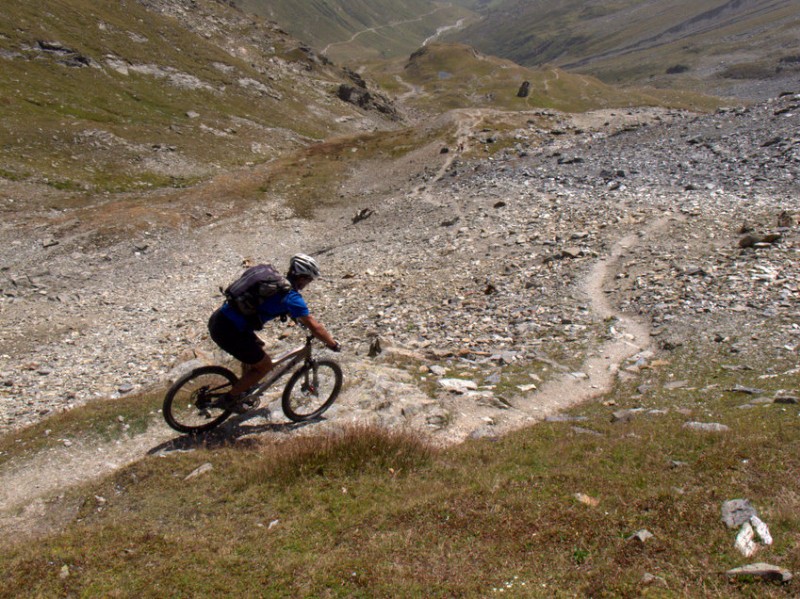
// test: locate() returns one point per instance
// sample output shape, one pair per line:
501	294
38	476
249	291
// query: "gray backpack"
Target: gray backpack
256	284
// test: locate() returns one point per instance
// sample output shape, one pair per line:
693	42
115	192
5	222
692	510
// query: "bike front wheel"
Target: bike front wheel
191	404
312	390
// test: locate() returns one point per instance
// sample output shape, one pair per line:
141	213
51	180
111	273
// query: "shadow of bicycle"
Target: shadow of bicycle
239	430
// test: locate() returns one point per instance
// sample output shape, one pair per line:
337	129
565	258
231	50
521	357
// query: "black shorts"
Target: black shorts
245	346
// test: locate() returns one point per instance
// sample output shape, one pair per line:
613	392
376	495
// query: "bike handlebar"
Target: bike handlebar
310	337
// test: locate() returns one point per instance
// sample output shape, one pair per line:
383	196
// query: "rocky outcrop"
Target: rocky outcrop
357	93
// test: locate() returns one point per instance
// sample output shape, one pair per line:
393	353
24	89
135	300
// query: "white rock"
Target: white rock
458	385
745	540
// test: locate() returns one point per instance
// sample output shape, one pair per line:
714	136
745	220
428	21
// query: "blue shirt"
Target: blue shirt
291	304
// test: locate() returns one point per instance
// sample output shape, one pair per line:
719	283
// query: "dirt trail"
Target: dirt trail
598	372
468	121
27	486
414	91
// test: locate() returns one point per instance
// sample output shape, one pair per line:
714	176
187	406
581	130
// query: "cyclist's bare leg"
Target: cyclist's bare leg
251	374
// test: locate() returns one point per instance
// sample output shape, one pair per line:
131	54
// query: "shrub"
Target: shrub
678	68
748	70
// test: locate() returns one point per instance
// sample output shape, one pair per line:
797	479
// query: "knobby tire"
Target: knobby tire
180	408
301	402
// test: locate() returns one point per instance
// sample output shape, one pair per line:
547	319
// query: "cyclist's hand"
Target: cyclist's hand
337	347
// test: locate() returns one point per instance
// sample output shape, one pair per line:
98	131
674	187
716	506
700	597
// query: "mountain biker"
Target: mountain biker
235	333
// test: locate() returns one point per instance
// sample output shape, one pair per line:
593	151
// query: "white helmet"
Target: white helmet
303	265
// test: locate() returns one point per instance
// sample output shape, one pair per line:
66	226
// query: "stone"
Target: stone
787	400
736	512
459	386
745	542
763	571
362	214
586	499
565	418
653	580
199	471
483	432
642	536
676	385
579	430
622	416
761	529
375	348
707	427
438	420
745	390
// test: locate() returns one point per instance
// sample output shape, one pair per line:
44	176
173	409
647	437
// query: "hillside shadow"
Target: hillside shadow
233	432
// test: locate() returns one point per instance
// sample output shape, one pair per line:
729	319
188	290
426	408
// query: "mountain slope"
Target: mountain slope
451	76
350	30
115	97
716	42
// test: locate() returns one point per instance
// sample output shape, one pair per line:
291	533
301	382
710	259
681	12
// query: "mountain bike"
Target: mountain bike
197	402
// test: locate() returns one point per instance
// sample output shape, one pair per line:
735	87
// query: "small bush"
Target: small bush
789	63
676	69
748	70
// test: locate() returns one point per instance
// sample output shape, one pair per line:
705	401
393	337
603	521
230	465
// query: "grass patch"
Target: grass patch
312	178
749	70
368	513
457	76
101	420
519	375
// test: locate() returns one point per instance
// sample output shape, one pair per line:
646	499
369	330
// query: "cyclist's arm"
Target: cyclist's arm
319	331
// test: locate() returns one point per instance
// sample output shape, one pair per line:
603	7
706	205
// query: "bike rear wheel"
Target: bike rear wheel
190	405
311	390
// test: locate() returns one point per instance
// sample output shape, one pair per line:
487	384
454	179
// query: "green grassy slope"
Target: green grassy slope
326	21
457	76
110	96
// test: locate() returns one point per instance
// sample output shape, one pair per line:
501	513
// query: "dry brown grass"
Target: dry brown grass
367	512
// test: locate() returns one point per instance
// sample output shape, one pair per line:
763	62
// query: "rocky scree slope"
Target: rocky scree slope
477	272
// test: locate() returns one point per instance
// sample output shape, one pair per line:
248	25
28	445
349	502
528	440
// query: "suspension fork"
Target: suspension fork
311	382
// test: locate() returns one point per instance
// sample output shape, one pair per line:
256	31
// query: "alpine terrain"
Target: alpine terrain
569	310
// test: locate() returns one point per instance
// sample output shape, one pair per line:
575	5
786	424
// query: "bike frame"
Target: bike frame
282	364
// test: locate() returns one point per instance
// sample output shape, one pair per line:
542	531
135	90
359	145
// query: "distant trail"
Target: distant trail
413	90
468	120
375	29
441	30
